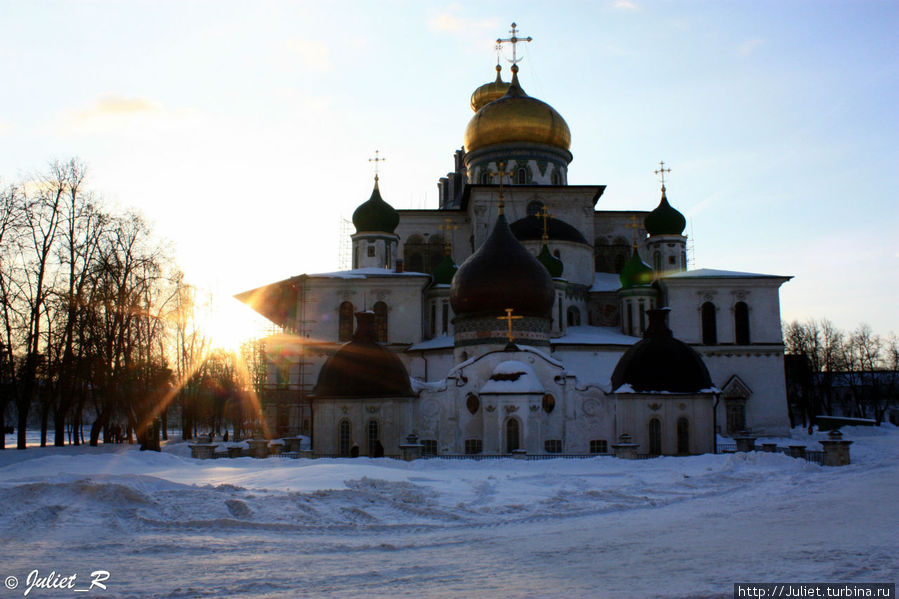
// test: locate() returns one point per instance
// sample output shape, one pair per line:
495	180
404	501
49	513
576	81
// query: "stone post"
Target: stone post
745	441
797	451
411	449
836	450
202	451
625	449
258	448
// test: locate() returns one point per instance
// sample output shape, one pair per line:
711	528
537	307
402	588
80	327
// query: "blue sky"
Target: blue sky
243	131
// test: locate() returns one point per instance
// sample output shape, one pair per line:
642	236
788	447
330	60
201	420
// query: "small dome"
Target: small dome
659	362
530	228
635	273
502	274
362	368
553	265
516	117
489	92
664	220
375	214
443	272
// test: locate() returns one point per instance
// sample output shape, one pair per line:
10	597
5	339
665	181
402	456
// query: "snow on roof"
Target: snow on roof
605	281
364	273
513	376
711	273
588	335
439	342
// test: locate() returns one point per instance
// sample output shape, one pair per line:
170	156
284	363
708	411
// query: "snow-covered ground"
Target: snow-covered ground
165	525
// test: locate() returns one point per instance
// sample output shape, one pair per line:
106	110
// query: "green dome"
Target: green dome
552	264
635	273
664	220
443	272
375	214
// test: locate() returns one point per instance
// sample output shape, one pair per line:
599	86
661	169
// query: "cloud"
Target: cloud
749	46
454	24
314	55
112	113
624	5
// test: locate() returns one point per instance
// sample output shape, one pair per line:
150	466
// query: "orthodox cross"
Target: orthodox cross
661	172
376	160
545	215
501	173
636	226
509	318
514	40
448	229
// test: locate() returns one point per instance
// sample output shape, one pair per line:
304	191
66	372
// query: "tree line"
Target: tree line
97	322
835	372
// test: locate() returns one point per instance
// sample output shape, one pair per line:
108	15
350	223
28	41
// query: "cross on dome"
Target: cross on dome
514	40
509	318
501	173
636	225
545	215
661	172
377	159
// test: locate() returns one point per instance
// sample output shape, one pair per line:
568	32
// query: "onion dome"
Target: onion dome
664	220
517	117
375	214
489	92
502	274
659	362
362	368
635	273
530	228
553	265
444	271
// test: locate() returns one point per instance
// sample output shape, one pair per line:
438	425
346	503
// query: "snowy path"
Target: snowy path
166	526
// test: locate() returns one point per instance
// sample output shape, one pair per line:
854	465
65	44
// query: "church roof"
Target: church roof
489	92
661	363
375	215
605	281
553	265
591	335
362	368
664	220
530	228
635	273
711	273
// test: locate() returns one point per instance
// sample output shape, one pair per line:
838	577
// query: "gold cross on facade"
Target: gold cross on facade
501	173
636	225
377	159
509	318
661	172
448	229
545	215
514	40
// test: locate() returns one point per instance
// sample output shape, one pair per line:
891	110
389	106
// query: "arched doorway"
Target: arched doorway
512	435
683	436
344	439
655	437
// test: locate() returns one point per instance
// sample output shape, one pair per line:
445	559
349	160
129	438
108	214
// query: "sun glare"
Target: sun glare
228	324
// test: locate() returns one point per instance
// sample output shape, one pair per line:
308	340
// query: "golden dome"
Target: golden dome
489	92
516	117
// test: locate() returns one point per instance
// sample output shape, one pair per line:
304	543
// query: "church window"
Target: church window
709	324
559	304
683	260
433	318
557	254
671	260
473	446
619	263
630	318
736	416
553	445
556	179
375	449
599	446
356	257
345	322
387	264
522	176
445	315
574	317
621	250
600	257
512	435
655	437
436	251
549	403
343	439
683	436
534	208
413	253
380	309
472	403
657	260
741	323
371	250
429	447
414	262
485	178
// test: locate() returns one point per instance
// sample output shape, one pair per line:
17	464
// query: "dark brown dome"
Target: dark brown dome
362	368
659	362
502	274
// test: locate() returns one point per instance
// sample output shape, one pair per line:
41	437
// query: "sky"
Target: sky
243	131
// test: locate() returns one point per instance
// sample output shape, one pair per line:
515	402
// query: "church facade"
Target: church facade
519	315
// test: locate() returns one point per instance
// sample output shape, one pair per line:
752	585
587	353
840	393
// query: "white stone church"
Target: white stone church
519	315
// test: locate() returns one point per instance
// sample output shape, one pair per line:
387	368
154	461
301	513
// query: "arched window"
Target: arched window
413	254
522	176
380	309
642	316
485	178
549	403
683	436
512	434
436	251
741	323
472	403
709	324
620	249
600	254
344	439
655	437
629	328
657	260
345	322
574	317
556	179
375	448
445	317
683	260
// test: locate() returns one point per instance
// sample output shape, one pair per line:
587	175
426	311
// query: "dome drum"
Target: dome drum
481	329
481	164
